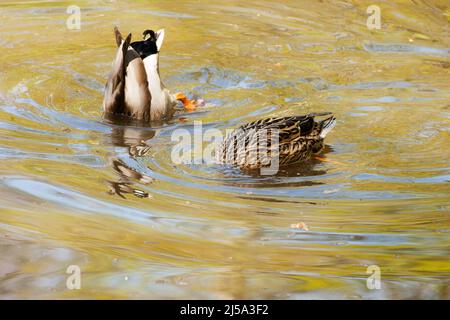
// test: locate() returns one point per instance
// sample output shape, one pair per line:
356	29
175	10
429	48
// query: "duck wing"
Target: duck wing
138	97
305	126
114	98
288	127
127	91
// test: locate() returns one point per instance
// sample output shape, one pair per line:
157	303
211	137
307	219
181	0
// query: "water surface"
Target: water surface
144	227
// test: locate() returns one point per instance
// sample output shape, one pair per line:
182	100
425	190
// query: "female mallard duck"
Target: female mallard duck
134	87
286	140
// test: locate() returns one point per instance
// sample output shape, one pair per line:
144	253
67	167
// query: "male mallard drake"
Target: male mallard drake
134	87
255	144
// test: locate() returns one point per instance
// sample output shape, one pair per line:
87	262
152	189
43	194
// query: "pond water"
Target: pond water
145	227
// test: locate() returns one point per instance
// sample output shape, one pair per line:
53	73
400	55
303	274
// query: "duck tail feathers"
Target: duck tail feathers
327	125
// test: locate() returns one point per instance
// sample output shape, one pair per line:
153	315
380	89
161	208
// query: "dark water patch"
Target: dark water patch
86	160
27	114
165	14
374	85
215	78
444	178
67	119
385	99
406	48
317	82
293	237
370	108
18	128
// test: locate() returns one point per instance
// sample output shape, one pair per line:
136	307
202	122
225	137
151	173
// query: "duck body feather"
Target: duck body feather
134	87
138	97
114	96
287	140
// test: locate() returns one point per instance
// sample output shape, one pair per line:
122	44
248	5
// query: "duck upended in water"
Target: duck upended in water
134	87
287	140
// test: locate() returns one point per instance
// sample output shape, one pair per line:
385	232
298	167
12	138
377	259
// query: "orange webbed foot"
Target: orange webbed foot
327	160
189	105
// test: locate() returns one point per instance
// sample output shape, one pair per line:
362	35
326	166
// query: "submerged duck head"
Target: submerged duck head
150	45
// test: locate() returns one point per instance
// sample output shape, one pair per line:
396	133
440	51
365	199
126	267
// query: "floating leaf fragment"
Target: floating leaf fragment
301	225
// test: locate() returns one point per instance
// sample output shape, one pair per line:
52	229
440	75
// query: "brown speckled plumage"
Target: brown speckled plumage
254	145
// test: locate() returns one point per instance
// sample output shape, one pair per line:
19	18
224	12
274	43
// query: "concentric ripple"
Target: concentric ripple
107	195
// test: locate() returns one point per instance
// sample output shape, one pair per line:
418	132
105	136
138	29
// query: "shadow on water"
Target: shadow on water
127	177
291	176
301	169
126	132
132	134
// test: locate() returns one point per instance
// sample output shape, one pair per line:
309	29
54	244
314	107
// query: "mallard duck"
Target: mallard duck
134	87
255	144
